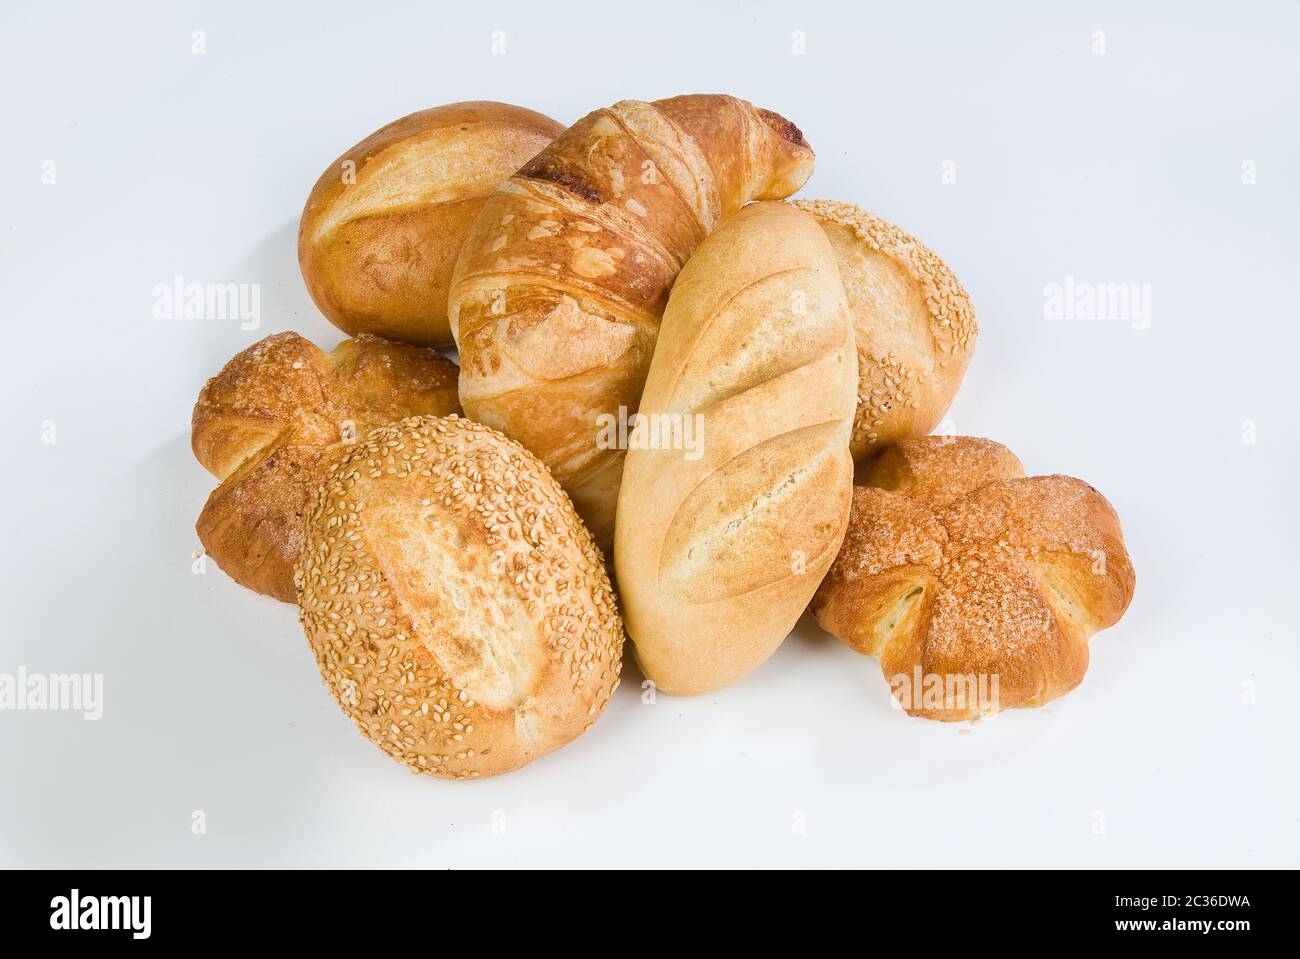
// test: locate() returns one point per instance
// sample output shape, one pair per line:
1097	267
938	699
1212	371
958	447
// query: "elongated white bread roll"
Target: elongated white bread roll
458	610
560	284
720	545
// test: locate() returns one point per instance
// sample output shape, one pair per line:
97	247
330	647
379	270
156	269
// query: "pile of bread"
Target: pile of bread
668	373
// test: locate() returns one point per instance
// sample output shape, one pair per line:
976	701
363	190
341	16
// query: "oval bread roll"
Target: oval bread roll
382	227
274	420
561	283
978	587
914	323
719	547
458	609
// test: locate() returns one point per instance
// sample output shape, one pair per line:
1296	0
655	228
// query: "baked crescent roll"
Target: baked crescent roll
978	587
557	295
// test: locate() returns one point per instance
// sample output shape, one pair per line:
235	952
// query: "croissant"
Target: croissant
556	297
978	587
721	541
275	419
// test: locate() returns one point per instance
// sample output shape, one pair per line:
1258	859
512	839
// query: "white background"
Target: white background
1180	747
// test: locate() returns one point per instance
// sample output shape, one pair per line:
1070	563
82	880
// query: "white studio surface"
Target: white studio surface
1029	149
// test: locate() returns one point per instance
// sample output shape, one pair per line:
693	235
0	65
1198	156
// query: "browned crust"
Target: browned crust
968	568
273	421
387	270
553	169
940	469
783	126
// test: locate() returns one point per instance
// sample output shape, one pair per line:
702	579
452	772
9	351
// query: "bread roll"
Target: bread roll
557	296
383	225
274	420
976	586
458	609
914	323
718	554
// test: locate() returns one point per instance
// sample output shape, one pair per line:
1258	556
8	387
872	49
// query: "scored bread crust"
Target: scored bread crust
273	421
718	556
558	292
956	564
381	229
458	609
914	323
